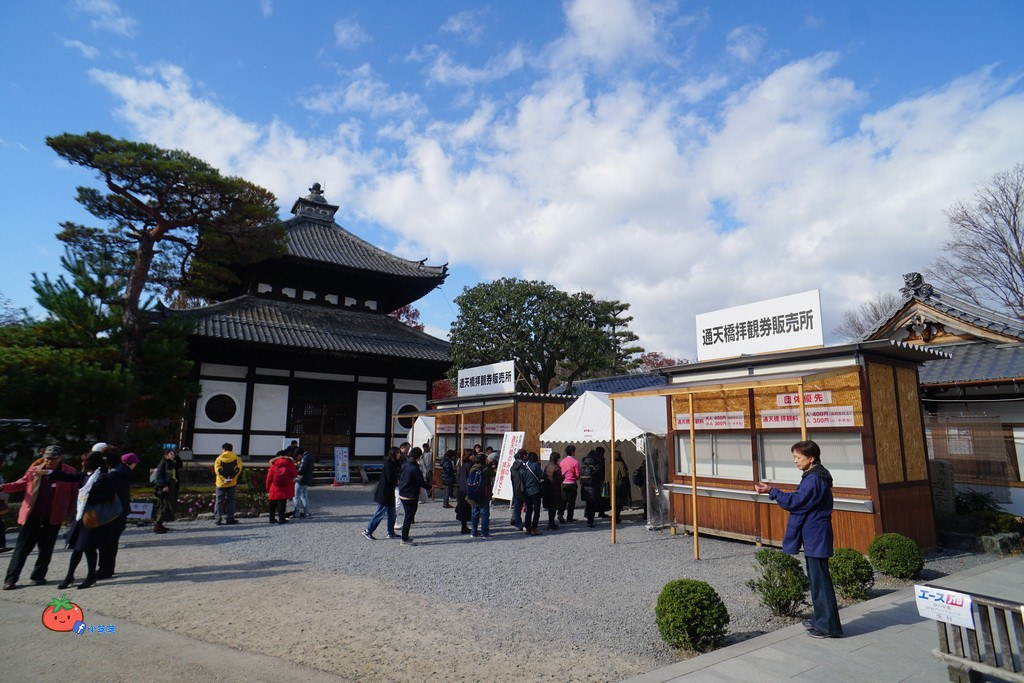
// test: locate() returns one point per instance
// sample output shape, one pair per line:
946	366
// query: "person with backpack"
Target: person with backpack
227	467
281	477
410	482
165	488
463	510
591	481
570	484
303	481
552	489
517	488
449	477
384	496
479	484
533	483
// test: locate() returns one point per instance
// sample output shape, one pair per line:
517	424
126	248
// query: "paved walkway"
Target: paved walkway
885	640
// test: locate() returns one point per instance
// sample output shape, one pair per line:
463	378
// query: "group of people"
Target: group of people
289	477
97	499
470	482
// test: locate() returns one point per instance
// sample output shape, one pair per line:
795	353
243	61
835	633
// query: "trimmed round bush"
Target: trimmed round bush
896	555
691	615
851	574
781	583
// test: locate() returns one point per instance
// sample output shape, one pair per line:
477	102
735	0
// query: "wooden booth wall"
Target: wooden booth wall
532	417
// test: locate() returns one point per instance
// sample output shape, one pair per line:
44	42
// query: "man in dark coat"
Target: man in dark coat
384	496
166	490
518	499
591	481
120	474
810	526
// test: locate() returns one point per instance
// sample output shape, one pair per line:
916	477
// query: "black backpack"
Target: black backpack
475	485
638	476
588	475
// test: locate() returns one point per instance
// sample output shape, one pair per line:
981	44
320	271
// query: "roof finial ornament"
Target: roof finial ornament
316	194
914	285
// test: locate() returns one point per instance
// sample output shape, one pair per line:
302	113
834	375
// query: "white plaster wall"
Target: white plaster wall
264	444
371	411
399	400
222	370
212	387
370	447
209	444
270	407
373	380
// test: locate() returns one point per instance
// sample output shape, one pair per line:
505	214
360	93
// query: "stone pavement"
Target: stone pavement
885	640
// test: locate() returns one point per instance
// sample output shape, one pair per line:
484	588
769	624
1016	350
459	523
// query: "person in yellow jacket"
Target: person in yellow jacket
227	467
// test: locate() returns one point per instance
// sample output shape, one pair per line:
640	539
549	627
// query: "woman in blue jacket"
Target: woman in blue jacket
810	526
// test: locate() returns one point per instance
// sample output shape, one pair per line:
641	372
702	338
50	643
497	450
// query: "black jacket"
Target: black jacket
411	480
306	469
121	478
384	494
592	491
165	476
448	473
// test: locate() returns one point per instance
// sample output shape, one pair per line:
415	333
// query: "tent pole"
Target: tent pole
803	412
693	480
611	448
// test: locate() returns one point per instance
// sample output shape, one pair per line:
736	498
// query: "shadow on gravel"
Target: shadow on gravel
204	574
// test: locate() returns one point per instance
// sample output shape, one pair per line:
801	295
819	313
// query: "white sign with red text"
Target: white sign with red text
944	605
811	398
510	444
444	428
732	419
497	427
826	416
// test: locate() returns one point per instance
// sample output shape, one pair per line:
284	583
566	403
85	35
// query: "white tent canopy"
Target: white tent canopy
422	431
589	419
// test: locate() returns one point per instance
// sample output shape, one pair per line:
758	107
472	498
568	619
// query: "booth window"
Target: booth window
718	455
447	442
842	453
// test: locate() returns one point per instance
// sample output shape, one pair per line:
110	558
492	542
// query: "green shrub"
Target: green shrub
851	574
896	555
782	583
998	522
967	502
691	615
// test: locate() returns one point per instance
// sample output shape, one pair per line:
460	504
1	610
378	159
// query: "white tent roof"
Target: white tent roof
589	419
424	431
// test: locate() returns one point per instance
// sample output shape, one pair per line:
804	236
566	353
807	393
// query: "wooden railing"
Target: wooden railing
997	654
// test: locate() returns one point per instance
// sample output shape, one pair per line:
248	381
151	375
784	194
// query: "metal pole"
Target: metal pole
803	413
693	480
612	449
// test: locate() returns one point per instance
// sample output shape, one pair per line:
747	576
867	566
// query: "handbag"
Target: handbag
98	514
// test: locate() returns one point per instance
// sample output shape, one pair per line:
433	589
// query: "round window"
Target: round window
406	422
221	408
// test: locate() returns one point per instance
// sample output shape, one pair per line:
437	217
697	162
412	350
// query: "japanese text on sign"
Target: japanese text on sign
732	419
811	398
944	605
497	378
789	418
788	322
796	321
511	443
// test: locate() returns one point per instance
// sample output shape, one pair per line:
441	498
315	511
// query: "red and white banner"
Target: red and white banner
726	420
811	398
789	418
512	442
497	427
444	428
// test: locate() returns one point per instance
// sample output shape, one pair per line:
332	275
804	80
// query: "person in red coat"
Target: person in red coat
48	502
280	485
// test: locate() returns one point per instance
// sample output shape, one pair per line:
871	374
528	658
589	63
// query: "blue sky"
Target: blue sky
679	156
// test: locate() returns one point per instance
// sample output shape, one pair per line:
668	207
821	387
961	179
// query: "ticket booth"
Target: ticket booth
732	423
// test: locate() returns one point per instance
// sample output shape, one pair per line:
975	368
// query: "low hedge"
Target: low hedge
851	574
896	555
691	615
781	582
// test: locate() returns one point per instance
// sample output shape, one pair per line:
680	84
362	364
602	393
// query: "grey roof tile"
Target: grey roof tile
975	363
315	327
614	384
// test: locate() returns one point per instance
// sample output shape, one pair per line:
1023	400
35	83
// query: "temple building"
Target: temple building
973	400
304	347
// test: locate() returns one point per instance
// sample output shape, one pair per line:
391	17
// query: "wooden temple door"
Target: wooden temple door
322	422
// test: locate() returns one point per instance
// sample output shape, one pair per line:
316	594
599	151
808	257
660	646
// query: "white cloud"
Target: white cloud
446	72
467	24
364	91
694	91
349	34
606	30
88	51
266	7
107	16
745	42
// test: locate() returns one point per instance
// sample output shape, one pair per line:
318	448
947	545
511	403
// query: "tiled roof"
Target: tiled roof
315	327
975	363
328	242
615	384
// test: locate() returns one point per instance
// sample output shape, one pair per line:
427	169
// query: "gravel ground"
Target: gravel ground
564	606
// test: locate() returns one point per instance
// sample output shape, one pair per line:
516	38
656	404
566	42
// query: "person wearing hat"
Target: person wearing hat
47	503
119	470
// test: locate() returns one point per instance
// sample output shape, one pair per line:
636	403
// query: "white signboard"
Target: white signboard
341	475
788	322
140	510
826	416
811	398
497	427
471	428
943	605
732	419
497	378
511	443
444	428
